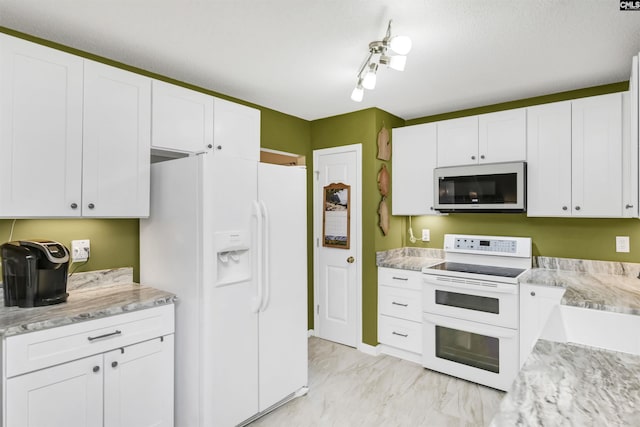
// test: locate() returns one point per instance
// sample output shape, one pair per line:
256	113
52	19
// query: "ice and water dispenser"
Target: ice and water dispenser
234	257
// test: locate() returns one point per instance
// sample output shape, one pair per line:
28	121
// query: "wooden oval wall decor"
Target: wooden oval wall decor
383	211
384	148
383	180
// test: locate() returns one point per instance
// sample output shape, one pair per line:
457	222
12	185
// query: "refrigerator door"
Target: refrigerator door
229	375
283	315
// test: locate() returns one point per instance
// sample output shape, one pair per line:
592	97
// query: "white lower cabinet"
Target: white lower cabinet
400	313
536	304
128	385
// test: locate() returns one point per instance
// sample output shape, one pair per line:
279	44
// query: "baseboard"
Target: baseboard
369	349
400	354
311	333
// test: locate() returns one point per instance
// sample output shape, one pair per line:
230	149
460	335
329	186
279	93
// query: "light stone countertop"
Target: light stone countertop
409	258
564	384
92	295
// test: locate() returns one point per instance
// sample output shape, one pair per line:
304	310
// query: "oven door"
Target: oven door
475	352
475	300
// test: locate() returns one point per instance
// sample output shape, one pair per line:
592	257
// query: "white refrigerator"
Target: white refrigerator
228	237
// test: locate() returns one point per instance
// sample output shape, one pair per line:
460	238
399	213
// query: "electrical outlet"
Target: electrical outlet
426	235
622	243
80	250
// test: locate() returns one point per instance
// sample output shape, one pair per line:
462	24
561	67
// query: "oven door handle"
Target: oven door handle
498	288
487	330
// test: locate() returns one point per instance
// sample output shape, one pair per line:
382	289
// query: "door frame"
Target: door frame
317	235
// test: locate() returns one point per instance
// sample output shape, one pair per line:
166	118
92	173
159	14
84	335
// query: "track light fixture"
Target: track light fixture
379	54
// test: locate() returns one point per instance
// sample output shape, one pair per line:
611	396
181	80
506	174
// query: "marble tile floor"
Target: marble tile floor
349	388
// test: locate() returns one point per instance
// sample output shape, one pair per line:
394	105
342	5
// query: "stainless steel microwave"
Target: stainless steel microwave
489	187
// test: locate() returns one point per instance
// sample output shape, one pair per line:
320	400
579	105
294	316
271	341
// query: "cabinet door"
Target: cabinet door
549	159
138	384
117	135
458	141
413	161
597	156
67	395
536	304
236	130
182	119
502	136
40	130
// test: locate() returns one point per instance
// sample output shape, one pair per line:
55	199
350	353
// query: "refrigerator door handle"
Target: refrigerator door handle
258	301
265	256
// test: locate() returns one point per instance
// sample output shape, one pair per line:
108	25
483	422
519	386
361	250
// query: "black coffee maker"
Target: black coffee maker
34	272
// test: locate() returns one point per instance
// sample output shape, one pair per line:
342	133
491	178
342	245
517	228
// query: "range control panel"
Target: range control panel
488	245
504	246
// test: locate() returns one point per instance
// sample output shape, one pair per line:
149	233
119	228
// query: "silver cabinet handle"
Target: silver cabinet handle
400	304
400	278
110	334
628	206
74	206
91	205
399	334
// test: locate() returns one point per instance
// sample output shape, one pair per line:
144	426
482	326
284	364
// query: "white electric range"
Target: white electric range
471	304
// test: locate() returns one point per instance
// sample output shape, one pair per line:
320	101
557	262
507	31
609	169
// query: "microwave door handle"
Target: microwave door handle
487	330
498	288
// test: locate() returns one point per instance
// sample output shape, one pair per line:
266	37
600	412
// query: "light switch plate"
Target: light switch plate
622	243
80	250
426	235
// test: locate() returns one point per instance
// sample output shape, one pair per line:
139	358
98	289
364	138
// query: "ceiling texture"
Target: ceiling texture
301	57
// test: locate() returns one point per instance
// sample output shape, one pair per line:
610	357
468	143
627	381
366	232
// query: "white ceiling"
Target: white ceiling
301	57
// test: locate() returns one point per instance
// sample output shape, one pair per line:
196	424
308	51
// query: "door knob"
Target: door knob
350	260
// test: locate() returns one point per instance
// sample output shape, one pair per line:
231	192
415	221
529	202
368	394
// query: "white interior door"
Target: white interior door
338	271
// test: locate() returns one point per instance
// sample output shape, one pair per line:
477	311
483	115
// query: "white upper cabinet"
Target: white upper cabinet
40	130
413	160
596	168
458	141
503	136
549	159
575	165
236	130
117	136
182	119
487	138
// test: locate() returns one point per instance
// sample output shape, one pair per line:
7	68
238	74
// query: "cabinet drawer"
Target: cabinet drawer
402	303
407	279
37	350
403	334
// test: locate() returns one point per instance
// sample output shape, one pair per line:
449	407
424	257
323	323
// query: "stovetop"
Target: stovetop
487	270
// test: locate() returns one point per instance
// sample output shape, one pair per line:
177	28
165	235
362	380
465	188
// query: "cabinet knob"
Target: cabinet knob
218	147
114	364
482	156
628	206
431	207
91	206
533	293
96	368
473	157
577	208
564	208
210	146
350	260
74	206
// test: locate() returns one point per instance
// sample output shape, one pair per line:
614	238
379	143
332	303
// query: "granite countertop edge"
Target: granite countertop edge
83	305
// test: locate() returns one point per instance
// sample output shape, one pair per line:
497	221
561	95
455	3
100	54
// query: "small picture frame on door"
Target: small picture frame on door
336	216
